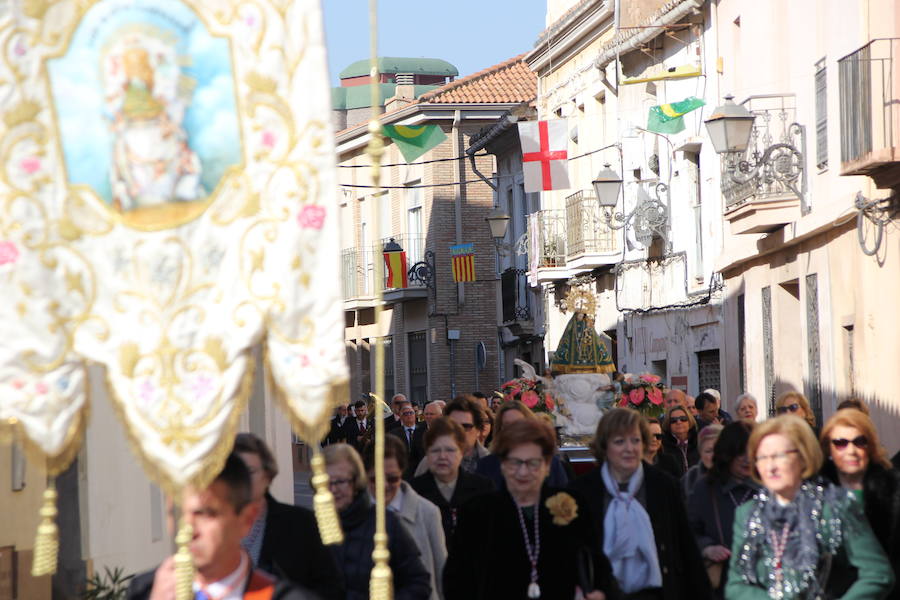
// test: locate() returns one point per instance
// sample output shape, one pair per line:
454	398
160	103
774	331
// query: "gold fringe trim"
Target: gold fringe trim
12	431
214	461
46	544
323	502
184	564
381	584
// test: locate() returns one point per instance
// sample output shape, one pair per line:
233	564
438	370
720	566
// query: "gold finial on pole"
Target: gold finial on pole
323	502
46	544
381	581
184	564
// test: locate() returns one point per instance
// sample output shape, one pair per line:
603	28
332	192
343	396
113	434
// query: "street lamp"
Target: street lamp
607	185
731	129
649	218
392	246
498	220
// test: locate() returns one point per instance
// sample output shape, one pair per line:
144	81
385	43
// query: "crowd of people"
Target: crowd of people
481	504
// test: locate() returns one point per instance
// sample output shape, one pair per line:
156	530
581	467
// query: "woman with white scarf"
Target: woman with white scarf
638	513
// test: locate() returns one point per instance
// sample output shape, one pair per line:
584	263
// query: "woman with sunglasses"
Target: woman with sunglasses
653	452
799	537
347	482
706	442
856	461
795	403
526	540
715	498
421	518
445	484
680	438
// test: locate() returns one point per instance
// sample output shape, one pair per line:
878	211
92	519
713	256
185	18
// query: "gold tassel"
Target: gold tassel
381	583
184	564
46	544
323	503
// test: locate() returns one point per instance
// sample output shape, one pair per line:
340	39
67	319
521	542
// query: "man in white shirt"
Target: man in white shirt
220	515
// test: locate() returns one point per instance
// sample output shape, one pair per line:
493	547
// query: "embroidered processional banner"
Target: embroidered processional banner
167	202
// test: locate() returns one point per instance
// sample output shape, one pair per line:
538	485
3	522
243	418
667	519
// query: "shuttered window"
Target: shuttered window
821	116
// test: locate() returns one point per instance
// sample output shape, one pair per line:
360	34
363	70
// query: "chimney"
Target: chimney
404	93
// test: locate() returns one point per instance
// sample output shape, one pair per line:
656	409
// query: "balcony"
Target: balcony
358	274
547	246
590	243
516	302
762	188
870	123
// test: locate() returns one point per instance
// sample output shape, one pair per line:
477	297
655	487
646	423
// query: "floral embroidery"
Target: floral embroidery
311	216
9	253
268	139
563	508
30	165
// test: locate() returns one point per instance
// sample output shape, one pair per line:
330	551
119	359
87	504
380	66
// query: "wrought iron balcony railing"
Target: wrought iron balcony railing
358	265
869	89
586	228
547	239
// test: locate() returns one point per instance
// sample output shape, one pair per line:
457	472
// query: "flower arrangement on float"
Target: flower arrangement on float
533	394
643	393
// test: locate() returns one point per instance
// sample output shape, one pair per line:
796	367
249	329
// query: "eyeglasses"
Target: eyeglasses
336	483
658	436
408	414
447	450
389	478
679	420
786	409
860	442
514	464
779	457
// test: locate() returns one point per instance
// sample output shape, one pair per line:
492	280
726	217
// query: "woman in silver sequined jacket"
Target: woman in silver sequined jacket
800	537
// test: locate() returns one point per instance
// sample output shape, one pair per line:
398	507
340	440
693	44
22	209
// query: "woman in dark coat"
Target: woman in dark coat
680	438
649	542
445	484
858	462
347	480
715	497
527	540
654	454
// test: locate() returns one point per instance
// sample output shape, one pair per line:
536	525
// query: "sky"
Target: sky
469	34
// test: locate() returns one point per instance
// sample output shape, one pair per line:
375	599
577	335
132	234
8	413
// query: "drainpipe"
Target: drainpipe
457	204
648	32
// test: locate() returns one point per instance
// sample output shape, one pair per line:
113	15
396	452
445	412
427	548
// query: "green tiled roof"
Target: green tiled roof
388	64
360	96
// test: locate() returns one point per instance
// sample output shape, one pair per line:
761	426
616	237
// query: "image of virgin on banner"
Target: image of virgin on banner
145	101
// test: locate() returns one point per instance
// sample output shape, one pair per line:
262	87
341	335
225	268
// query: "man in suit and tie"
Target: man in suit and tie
412	436
355	429
336	433
392	421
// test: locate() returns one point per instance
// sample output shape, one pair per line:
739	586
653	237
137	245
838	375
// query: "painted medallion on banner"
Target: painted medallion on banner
145	103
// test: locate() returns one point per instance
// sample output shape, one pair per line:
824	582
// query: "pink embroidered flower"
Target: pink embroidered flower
530	399
311	216
655	395
202	386
18	384
9	253
19	48
548	400
268	139
304	360
636	396
30	165
41	387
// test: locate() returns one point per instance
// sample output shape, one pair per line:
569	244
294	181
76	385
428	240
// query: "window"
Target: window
415	238
741	341
418	367
708	370
365	366
821	116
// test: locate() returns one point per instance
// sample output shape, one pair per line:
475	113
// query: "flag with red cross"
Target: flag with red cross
544	156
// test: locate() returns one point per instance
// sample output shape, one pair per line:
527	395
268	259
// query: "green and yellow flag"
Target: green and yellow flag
667	118
414	140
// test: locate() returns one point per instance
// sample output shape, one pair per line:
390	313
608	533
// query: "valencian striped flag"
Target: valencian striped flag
667	118
462	259
414	140
395	263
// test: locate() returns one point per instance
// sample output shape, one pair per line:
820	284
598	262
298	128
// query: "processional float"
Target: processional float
168	201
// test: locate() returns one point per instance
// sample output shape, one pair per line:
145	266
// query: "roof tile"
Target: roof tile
507	82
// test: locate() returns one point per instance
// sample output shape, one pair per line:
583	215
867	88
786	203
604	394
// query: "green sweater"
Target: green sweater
860	549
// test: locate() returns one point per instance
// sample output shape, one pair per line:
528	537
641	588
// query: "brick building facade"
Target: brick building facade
431	332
